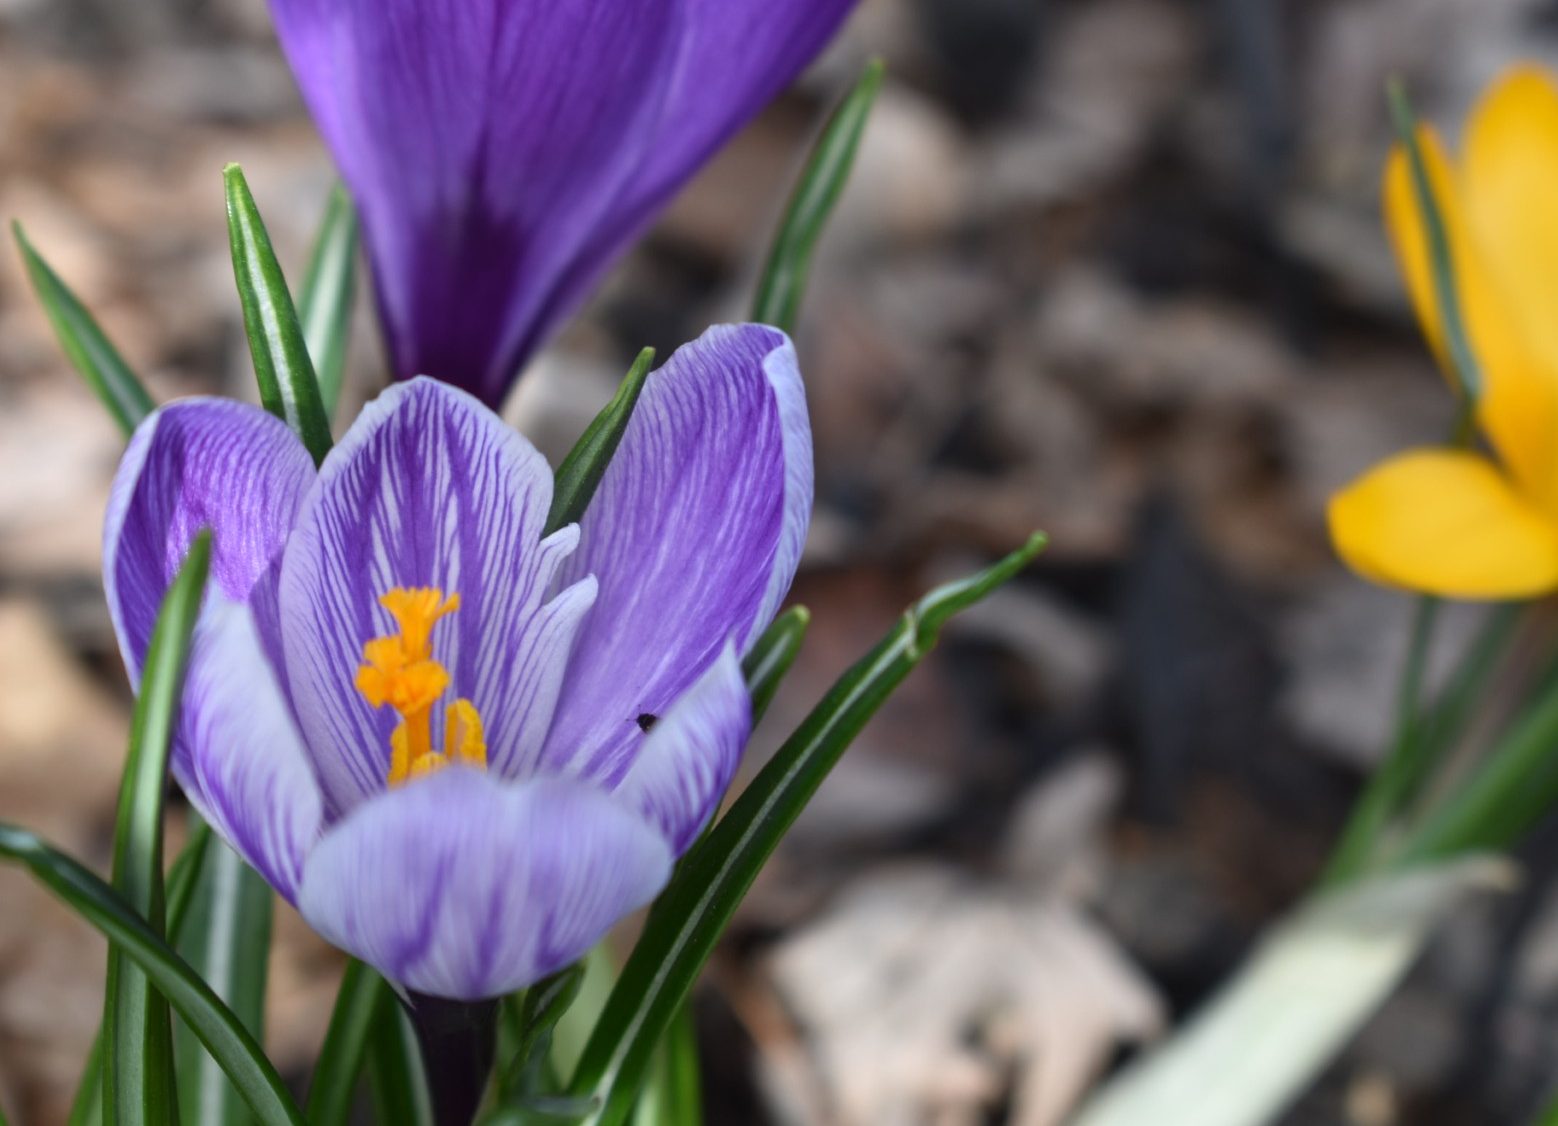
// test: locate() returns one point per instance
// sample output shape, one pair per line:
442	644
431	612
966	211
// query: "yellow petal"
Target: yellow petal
1509	171
1445	522
1518	408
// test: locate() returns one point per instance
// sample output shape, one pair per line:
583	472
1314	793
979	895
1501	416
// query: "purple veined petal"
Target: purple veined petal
691	753
694	535
463	886
238	756
484	142
733	57
427	489
192	464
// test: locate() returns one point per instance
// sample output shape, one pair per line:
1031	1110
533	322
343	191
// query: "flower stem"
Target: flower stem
1396	774
458	1039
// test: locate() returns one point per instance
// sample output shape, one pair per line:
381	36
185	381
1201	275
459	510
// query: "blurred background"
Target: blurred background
1112	268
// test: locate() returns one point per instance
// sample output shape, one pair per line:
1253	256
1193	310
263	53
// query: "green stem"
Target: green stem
1515	787
1397	774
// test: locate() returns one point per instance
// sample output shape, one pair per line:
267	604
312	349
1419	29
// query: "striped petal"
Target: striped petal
192	464
1445	522
427	489
694	535
238	755
691	754
463	886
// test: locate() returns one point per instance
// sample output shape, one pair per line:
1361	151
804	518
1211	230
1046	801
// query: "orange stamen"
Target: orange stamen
400	671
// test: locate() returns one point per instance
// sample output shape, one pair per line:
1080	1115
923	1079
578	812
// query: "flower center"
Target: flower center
399	670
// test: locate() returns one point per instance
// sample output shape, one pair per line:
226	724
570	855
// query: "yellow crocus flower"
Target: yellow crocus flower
1478	523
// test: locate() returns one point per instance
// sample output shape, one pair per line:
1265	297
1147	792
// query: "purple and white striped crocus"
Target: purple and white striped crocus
503	152
460	749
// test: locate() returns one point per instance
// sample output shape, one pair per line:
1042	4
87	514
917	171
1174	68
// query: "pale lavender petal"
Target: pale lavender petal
238	756
192	464
694	536
428	488
503	152
691	754
464	886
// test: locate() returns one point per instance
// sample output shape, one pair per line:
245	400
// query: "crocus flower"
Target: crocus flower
461	749
1470	522
502	152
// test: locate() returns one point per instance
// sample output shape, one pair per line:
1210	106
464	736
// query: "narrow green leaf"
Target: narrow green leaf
1507	795
325	300
1394	778
1463	360
219	1030
541	1110
535	1015
84	342
395	1075
581	471
783	283
575	1026
687	919
674	1095
770	659
363	1002
87	1109
184	875
288	387
137	1036
228	944
1446	721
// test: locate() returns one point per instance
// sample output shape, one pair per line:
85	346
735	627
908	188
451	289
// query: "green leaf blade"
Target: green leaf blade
580	473
222	1033
360	1004
325	299
85	344
227	943
288	386
138	1045
713	877
1463	360
783	281
87	1109
395	1073
674	1095
766	664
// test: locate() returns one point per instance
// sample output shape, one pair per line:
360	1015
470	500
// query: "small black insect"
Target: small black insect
646	721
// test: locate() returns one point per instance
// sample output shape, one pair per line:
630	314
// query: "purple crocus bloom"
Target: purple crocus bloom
586	685
503	152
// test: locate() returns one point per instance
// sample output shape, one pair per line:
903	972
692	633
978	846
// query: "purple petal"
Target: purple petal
463	886
238	755
502	152
694	536
193	464
428	488
691	754
733	58
483	142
